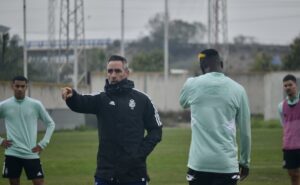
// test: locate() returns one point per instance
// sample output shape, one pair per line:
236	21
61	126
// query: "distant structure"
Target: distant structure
51	28
51	52
217	26
71	14
39	45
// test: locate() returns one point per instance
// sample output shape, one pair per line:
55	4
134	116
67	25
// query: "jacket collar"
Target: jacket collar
119	88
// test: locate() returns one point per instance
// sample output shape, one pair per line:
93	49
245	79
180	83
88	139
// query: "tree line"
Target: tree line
145	53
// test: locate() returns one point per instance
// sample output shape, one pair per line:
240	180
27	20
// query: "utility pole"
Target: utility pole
209	24
25	41
166	41
122	29
166	53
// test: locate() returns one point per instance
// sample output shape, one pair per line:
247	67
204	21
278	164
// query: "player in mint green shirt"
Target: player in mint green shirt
20	114
219	108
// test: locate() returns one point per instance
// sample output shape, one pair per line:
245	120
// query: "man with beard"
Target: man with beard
123	114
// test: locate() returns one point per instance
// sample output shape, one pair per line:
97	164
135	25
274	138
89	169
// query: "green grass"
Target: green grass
71	158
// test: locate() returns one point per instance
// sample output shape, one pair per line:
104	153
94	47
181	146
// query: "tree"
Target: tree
12	64
241	40
96	59
185	39
264	62
180	31
152	61
292	60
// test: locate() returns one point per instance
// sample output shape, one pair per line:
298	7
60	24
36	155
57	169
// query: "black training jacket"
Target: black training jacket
123	114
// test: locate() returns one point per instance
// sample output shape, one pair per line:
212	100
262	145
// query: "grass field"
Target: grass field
70	159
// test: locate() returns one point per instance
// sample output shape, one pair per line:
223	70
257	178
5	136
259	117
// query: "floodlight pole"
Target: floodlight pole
166	42
166	52
122	29
25	41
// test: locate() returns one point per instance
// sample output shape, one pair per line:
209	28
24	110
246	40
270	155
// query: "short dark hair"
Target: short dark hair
289	77
119	58
19	78
209	53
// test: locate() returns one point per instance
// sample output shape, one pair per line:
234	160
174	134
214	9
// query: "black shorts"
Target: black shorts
291	159
13	166
209	178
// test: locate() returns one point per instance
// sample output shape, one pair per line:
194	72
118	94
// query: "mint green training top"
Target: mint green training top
20	117
218	106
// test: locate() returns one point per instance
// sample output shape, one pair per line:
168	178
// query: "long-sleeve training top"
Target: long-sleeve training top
21	122
218	104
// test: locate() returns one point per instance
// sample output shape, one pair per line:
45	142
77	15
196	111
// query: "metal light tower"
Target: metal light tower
51	53
75	17
51	28
79	45
64	36
217	26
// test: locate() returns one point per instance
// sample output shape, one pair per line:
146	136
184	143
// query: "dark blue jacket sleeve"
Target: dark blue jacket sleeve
84	103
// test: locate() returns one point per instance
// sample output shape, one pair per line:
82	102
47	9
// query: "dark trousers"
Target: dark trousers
209	178
99	181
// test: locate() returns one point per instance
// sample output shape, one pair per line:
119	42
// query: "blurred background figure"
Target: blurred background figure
289	111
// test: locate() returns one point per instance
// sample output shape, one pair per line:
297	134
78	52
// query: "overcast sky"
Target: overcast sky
269	21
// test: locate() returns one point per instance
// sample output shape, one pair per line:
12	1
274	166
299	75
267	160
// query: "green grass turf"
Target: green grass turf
70	159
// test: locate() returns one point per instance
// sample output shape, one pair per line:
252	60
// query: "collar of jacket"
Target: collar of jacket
121	87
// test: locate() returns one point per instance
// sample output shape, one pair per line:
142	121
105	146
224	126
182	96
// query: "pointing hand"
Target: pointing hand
66	93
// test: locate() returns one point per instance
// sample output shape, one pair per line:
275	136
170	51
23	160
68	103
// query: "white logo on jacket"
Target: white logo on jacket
132	104
112	103
39	174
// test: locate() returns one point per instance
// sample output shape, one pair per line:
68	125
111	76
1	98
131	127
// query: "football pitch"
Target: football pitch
70	158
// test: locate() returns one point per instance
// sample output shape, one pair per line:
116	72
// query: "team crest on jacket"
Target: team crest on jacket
131	104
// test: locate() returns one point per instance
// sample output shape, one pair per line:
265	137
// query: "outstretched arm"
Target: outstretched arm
80	103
